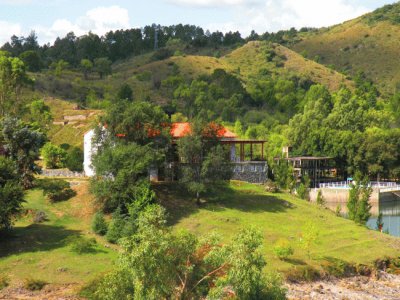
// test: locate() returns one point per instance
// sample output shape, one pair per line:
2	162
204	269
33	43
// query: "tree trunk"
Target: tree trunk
198	198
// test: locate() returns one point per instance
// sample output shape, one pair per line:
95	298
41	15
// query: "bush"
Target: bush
161	54
302	274
4	281
99	224
116	227
74	159
34	284
320	199
338	268
302	191
56	190
271	187
283	249
82	245
53	156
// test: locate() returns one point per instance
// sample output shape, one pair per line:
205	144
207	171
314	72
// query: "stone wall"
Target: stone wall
62	173
253	172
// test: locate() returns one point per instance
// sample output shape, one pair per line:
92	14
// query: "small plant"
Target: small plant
320	199
99	224
309	237
379	222
338	211
82	245
283	249
302	191
34	284
271	187
302	274
4	281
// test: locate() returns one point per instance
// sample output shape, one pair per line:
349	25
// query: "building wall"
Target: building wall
253	172
88	151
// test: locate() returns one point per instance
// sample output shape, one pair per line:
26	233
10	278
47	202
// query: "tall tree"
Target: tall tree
23	145
204	161
11	192
103	66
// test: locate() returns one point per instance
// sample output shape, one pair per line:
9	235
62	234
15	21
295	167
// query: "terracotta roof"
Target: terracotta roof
179	130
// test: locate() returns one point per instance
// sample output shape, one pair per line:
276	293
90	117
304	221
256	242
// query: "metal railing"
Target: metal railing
383	186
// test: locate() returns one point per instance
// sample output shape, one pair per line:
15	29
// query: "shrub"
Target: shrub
161	54
320	199
116	227
34	284
99	224
145	76
4	281
283	249
82	245
302	274
53	156
338	268
56	190
74	159
302	191
338	210
271	187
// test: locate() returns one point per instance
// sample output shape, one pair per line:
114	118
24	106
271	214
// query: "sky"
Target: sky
52	18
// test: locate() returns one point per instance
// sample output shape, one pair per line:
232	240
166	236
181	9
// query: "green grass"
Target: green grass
279	216
43	251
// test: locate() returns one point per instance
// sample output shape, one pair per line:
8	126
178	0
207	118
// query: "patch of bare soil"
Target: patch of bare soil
49	292
384	286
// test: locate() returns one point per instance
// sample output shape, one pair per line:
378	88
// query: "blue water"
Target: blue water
391	217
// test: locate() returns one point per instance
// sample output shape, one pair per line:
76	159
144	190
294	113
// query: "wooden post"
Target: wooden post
262	151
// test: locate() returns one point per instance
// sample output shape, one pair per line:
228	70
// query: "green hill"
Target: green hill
370	44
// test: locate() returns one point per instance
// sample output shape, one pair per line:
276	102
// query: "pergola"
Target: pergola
242	144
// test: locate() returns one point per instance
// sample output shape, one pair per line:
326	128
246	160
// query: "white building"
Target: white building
89	150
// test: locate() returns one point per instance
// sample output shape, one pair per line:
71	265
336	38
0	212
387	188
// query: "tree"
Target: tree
12	78
11	193
32	60
23	145
309	237
74	159
157	263
204	161
86	67
125	92
53	156
103	66
59	67
39	115
358	204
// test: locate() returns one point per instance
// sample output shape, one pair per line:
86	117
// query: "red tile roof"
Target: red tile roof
179	130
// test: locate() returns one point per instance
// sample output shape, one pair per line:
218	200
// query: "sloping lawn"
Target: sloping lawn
278	216
43	251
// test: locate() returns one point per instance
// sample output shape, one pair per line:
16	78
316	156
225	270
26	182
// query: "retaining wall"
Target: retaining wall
253	172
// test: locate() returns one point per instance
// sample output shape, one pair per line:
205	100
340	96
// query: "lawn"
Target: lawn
278	216
42	251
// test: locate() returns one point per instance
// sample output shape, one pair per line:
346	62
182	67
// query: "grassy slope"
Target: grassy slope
251	59
279	216
71	133
358	46
39	251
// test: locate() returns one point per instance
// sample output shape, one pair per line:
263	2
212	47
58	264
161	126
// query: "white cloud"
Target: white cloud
274	15
212	3
8	29
98	20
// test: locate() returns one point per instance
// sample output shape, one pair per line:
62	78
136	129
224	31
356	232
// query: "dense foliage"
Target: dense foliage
157	263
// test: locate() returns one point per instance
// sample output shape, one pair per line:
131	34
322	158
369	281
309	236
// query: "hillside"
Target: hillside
370	44
278	216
